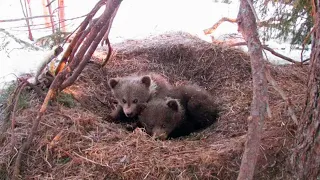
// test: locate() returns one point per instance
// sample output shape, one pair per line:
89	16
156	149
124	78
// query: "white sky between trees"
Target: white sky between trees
136	19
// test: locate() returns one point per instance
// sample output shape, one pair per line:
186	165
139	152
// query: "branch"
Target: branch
22	19
226	19
109	53
19	40
217	24
268	49
283	95
78	35
107	41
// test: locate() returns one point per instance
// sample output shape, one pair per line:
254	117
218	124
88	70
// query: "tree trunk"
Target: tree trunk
306	154
248	28
51	17
62	16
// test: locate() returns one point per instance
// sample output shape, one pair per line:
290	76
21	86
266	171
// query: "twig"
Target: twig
109	53
89	160
55	140
283	95
22	19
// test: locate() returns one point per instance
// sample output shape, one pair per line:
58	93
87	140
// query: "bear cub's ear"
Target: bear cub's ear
146	80
173	104
113	82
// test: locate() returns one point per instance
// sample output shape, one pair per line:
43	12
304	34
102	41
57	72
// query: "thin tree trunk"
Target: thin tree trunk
46	13
306	154
51	18
30	12
62	16
248	27
25	13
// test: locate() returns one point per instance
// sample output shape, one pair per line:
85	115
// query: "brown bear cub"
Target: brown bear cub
134	90
185	109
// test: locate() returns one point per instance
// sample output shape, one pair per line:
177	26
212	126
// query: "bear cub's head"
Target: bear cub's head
160	117
130	92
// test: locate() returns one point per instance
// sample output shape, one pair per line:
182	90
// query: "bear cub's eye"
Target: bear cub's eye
135	101
163	126
124	101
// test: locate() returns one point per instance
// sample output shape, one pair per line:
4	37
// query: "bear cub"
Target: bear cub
134	90
184	110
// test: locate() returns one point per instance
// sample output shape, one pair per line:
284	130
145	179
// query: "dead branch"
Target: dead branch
226	19
73	69
101	28
217	24
248	28
268	49
109	53
23	19
107	41
19	40
71	48
283	95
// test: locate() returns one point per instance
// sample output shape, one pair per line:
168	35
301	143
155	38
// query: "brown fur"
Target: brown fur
131	91
195	110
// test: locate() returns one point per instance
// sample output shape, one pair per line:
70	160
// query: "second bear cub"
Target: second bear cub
185	110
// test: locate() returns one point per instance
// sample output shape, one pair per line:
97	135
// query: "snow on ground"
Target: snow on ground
135	20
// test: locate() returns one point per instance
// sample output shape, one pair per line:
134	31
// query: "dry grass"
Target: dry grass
80	142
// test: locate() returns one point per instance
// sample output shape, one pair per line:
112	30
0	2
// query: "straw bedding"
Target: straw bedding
82	143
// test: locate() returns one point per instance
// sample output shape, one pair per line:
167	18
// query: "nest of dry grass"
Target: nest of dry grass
80	142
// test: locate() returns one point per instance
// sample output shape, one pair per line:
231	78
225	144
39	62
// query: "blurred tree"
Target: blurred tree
286	20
